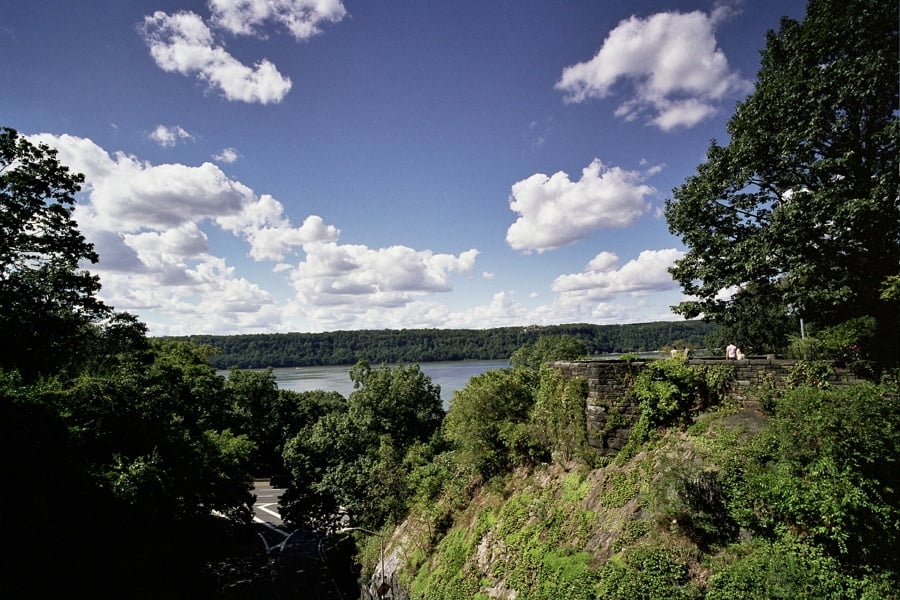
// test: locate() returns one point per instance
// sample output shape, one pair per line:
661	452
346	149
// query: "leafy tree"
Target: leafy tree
153	436
355	456
547	349
488	420
119	340
400	402
129	446
254	401
800	210
269	417
46	299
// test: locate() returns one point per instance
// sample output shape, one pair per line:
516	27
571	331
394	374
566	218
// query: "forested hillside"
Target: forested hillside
426	345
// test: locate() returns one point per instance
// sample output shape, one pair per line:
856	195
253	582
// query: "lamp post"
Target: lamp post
384	587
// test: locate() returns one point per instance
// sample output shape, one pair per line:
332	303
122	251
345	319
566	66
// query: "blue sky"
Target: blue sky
314	165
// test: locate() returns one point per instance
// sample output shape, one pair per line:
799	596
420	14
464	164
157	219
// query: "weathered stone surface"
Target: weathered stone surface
610	413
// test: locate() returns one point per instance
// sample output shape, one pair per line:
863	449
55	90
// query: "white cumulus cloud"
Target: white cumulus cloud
605	261
678	74
128	194
146	221
555	211
302	18
356	277
184	44
270	234
227	156
649	272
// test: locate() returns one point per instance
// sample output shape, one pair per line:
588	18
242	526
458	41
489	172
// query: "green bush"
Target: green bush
645	572
849	341
763	570
812	373
558	416
668	391
805	348
485	420
825	469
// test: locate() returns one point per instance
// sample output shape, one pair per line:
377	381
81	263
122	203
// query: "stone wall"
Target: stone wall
611	413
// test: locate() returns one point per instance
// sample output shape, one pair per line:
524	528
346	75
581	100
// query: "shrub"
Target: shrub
485	420
849	341
668	390
645	572
558	417
812	373
805	348
825	469
763	570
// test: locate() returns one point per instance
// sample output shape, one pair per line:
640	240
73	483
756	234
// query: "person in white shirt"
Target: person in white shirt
731	352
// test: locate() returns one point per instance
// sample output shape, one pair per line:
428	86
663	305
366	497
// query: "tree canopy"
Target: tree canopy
547	349
45	294
800	210
395	346
358	455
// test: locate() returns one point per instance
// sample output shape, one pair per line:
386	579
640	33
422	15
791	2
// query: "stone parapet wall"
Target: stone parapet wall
610	412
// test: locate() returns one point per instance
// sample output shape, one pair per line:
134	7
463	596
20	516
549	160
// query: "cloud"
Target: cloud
145	222
678	74
183	43
503	310
270	234
302	18
173	245
556	211
128	194
169	136
227	156
648	273
605	261
206	295
356	277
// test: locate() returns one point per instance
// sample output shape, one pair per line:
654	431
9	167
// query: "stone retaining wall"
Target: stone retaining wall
611	412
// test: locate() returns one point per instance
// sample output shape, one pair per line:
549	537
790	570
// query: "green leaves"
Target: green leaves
548	348
825	470
803	201
355	455
483	416
46	299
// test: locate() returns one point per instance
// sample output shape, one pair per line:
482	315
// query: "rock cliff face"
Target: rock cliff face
565	529
550	529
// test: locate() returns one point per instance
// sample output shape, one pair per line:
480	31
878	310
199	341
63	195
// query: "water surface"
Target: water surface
450	375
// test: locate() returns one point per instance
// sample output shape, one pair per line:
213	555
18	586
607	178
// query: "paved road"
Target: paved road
297	557
265	509
272	530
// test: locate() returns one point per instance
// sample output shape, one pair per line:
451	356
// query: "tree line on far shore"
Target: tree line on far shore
429	345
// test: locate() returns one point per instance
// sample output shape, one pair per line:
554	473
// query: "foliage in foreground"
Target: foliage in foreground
799	212
357	456
805	507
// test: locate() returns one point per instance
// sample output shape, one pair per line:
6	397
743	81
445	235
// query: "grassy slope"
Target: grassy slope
652	526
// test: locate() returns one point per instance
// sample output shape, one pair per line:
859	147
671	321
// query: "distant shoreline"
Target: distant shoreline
395	346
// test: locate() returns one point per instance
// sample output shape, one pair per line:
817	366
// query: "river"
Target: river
450	375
